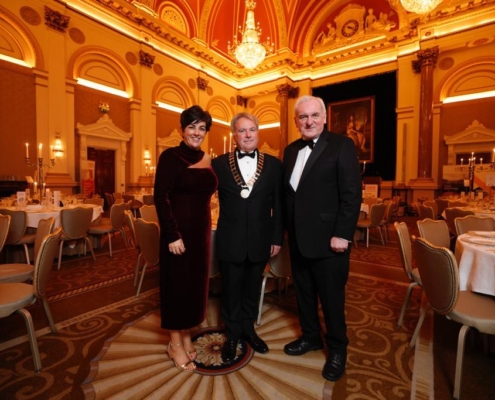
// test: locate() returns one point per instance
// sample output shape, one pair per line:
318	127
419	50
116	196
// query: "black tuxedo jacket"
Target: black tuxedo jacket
248	227
328	198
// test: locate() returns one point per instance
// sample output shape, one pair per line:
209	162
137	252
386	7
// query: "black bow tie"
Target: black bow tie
303	143
241	155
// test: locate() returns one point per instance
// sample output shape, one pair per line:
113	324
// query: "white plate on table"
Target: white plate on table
485	234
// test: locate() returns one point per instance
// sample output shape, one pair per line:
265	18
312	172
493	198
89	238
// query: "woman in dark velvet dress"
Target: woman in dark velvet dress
184	185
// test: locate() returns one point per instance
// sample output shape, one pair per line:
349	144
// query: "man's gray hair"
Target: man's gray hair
305	98
248	116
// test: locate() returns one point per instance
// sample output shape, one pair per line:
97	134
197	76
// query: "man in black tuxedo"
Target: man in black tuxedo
249	230
322	189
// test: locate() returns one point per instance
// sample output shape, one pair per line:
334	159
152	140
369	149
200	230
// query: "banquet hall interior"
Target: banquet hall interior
91	93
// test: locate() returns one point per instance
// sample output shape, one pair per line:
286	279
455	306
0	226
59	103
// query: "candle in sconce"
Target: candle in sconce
40	151
230	142
481	161
493	156
27	150
364	166
35	187
462	160
224	144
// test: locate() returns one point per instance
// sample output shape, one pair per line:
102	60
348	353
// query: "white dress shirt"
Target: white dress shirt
247	166
302	157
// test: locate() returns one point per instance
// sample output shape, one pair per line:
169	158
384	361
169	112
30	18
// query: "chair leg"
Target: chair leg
381	235
367	237
406	302
136	271
32	339
60	254
141	279
48	313
90	247
418	327
459	361
110	243
28	259
262	296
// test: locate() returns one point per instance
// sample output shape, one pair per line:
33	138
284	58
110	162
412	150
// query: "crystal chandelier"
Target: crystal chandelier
250	52
420	6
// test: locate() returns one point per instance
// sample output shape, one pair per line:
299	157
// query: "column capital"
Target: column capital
287	90
426	58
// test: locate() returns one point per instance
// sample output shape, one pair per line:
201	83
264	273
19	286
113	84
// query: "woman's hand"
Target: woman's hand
177	247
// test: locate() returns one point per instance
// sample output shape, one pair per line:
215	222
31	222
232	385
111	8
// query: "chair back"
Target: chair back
4	229
451	214
442	204
405	247
109	199
97	201
148	238
473	223
17	229
433	205
435	231
129	219
377	213
127	198
149	200
76	221
439	275
425	212
44	262
280	265
214	266
148	213
117	215
389	211
45	227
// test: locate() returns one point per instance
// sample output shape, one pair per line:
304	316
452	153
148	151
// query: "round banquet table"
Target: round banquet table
36	213
475	257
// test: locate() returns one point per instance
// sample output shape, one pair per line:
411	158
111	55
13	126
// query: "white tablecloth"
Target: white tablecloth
476	265
35	214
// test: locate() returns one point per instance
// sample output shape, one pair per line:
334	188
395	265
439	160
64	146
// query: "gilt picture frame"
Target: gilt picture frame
356	119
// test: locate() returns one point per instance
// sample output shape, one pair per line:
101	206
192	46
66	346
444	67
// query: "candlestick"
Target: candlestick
364	167
481	161
40	151
493	156
230	142
462	160
27	150
224	144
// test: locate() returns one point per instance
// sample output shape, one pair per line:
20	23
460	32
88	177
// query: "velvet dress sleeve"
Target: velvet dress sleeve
169	165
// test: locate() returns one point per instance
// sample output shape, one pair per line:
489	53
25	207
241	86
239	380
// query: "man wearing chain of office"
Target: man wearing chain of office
249	230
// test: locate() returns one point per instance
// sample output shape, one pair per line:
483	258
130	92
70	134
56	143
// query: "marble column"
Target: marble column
424	64
286	92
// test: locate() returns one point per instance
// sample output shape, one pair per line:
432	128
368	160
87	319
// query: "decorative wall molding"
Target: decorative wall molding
55	20
146	59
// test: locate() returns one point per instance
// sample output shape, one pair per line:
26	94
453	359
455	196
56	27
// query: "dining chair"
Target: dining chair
451	214
148	238
442	204
117	219
148	213
278	268
17	235
411	272
4	229
435	231
425	212
14	297
370	201
395	207
97	201
473	223
471	310
23	272
75	224
387	218
149	200
433	205
130	221
135	204
374	220
109	199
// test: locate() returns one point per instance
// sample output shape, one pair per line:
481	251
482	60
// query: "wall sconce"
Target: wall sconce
147	158
57	149
104	107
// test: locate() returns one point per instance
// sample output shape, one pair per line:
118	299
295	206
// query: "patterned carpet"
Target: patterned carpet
109	344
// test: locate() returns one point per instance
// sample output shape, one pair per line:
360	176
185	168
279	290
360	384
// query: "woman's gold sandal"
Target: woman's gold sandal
183	367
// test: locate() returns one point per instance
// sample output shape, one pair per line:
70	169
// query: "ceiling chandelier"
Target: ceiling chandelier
250	52
420	6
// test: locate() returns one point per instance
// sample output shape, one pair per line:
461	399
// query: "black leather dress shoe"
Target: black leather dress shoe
334	367
258	345
302	346
229	350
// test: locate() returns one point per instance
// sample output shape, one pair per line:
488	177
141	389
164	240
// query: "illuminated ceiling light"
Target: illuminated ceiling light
420	6
250	52
467	97
268	126
14	60
103	88
169	107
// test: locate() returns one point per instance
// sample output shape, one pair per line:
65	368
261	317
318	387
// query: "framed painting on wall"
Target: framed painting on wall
355	119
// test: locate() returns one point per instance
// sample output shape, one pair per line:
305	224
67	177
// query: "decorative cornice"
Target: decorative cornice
426	58
287	90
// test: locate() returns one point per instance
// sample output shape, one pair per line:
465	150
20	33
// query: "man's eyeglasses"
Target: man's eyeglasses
304	117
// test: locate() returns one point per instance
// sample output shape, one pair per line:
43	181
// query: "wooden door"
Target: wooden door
104	171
